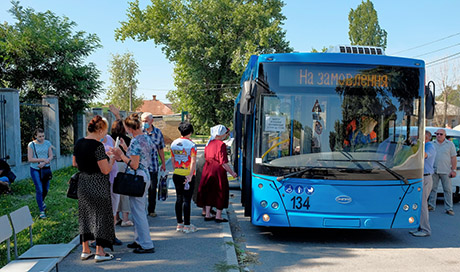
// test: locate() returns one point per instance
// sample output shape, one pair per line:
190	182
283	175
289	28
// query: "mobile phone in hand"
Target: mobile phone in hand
117	142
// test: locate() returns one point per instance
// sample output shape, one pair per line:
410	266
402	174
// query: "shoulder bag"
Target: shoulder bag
129	184
72	191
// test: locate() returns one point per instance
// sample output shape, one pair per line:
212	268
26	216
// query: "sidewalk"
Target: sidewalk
205	250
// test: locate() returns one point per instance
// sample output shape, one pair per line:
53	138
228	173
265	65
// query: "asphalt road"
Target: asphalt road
305	249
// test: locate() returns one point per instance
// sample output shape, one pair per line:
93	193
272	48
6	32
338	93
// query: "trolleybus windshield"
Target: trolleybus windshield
337	120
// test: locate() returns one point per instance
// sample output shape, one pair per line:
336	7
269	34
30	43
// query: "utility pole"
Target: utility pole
131	98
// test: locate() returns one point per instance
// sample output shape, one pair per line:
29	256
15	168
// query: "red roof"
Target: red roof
155	107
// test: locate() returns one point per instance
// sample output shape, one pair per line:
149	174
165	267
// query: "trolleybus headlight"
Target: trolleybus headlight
419	189
266	217
414	206
406	207
261	185
275	205
411	220
263	203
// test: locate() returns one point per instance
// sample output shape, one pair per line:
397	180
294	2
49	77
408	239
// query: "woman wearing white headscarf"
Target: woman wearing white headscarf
214	189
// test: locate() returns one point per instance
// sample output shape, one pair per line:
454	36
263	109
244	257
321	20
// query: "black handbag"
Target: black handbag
72	191
45	173
129	184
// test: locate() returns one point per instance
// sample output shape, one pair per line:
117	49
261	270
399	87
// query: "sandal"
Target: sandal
127	223
100	258
221	220
209	218
85	256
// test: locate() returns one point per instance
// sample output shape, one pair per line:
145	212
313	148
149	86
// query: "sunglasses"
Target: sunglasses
440	134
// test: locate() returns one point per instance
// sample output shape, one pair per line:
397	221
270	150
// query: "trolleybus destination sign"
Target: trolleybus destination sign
323	76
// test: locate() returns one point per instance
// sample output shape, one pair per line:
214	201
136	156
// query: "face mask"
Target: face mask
102	139
145	125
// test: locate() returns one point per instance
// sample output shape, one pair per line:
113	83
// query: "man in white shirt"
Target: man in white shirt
445	166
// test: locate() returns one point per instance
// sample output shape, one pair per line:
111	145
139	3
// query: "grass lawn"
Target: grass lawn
61	226
200	139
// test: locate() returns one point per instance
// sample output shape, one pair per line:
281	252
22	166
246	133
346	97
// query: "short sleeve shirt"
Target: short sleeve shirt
143	147
87	153
429	160
182	150
39	151
444	152
158	140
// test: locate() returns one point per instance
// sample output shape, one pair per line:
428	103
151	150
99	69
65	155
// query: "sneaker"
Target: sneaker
413	231
127	223
117	242
189	228
430	208
142	250
450	212
42	215
106	257
134	245
180	227
420	234
153	214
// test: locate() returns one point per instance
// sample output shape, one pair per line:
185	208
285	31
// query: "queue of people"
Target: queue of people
141	144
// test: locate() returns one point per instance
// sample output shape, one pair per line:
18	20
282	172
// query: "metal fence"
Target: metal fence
31	118
2	126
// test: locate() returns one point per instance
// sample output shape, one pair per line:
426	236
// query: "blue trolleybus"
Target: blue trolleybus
323	140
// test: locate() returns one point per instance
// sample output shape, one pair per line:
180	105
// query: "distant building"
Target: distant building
156	107
453	115
164	118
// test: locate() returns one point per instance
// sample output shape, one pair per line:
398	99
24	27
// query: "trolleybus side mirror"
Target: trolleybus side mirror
247	97
429	101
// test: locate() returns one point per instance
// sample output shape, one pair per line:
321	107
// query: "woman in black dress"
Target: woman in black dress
95	216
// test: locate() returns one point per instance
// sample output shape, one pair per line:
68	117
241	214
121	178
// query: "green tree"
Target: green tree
42	55
123	70
454	96
210	42
364	26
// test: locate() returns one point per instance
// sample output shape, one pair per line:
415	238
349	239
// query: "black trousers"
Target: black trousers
153	192
183	198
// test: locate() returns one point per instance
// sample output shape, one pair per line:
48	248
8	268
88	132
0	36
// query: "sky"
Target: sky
424	29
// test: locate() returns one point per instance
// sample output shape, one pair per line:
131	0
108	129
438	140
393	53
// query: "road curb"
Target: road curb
75	240
229	244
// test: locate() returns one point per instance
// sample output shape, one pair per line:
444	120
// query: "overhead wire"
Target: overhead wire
428	43
438	50
440	60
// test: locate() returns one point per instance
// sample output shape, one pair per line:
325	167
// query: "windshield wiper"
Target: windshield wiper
296	173
351	159
396	175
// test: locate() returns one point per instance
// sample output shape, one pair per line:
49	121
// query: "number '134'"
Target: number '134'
299	203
